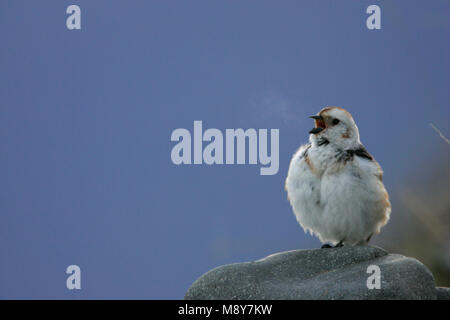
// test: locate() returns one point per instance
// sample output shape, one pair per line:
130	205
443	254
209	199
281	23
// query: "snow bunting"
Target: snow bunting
334	185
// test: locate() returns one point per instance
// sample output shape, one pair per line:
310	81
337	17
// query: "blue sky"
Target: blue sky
86	117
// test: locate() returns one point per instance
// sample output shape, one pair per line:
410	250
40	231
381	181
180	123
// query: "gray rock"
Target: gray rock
335	273
443	293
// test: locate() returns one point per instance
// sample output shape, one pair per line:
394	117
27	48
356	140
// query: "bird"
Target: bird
335	186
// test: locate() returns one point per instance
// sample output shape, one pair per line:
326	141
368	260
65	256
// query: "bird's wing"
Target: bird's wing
362	152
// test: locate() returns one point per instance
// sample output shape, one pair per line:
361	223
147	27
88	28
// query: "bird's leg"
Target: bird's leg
326	246
339	244
368	238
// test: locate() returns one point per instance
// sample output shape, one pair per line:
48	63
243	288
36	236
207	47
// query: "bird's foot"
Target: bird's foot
339	244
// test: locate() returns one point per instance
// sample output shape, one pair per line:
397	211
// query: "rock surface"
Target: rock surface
443	293
335	273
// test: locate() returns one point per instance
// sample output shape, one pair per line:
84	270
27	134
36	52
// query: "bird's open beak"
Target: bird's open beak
319	124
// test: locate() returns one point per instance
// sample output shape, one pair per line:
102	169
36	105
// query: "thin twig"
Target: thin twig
440	133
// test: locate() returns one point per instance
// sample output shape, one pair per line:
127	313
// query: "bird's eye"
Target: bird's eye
335	121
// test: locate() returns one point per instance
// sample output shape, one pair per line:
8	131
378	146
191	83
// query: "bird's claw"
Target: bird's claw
338	245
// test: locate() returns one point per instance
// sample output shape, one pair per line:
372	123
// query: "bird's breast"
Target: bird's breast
325	160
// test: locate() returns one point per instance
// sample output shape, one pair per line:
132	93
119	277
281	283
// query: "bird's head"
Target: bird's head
336	126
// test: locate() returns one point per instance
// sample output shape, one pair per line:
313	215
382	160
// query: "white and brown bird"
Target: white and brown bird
334	185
